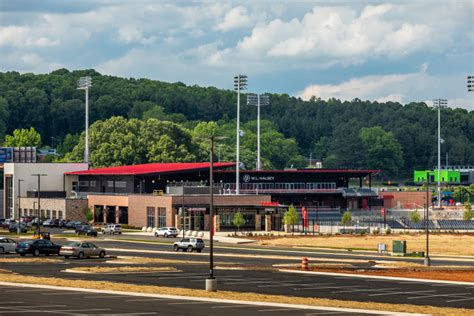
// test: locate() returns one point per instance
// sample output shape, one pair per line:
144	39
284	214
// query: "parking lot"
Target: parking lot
33	301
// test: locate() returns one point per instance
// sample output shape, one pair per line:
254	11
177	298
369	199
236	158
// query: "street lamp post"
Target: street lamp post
439	103
240	83
84	84
39	175
427	217
258	100
19	206
211	282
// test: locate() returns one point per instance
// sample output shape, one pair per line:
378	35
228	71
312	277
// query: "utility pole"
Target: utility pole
18	231
39	175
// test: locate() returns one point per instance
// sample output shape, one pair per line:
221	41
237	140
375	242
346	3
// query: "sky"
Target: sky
400	51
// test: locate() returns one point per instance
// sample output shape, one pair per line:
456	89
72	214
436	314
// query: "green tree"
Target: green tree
468	211
346	219
382	150
238	220
89	215
291	216
23	138
415	217
68	144
3	117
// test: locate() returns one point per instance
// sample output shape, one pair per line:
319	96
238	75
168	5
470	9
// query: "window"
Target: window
150	217
83	183
120	184
48	213
60	214
92	184
161	216
110	184
54	214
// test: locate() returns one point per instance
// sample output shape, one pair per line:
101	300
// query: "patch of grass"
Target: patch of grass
235	295
123	269
29	260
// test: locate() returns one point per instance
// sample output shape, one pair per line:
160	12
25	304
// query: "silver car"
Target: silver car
7	245
189	244
81	250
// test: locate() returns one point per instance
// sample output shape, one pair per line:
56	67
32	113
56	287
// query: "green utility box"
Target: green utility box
399	247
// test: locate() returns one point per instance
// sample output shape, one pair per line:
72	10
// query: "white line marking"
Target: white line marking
56	311
369	290
328	287
148	300
185	303
454	295
62	293
231	306
461	299
279	310
395	293
293	284
11	302
34	306
107	296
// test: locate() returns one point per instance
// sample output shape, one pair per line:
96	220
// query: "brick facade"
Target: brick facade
70	209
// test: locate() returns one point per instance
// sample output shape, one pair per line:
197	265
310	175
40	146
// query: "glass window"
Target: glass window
110	184
150	217
83	183
120	184
92	184
161	216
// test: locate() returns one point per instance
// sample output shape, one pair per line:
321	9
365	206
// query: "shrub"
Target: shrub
388	231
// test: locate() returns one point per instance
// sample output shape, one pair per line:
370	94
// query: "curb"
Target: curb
366	276
217	300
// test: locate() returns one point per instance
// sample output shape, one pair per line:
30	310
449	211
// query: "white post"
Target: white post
86	150
259	166
439	154
237	172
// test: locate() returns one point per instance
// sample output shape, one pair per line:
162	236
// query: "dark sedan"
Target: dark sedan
37	247
86	230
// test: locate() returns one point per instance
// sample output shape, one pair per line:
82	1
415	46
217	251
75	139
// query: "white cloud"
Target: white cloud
236	18
403	88
22	36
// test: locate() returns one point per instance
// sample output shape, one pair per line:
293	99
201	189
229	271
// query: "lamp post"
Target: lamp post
211	282
240	83
439	103
84	84
39	175
427	256
258	100
19	205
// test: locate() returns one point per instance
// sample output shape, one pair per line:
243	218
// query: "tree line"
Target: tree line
168	118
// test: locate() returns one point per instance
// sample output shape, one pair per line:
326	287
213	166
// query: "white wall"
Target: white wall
54	181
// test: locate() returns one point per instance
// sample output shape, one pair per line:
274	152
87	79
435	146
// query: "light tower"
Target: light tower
439	103
258	100
84	84
240	83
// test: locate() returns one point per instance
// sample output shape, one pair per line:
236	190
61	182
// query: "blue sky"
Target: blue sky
392	50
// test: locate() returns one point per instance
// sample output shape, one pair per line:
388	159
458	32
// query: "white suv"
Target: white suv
166	232
112	229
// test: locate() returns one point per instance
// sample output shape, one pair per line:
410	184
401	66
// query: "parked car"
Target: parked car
81	250
7	245
8	222
166	232
47	223
13	228
189	244
86	230
37	247
112	229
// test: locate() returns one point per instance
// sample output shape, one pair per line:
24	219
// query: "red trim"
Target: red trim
151	168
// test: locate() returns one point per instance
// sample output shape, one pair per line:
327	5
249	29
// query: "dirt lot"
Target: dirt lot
446	244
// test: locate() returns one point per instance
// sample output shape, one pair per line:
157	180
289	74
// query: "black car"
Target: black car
37	247
86	230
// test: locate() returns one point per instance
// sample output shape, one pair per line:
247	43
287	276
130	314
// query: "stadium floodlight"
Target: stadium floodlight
85	83
240	83
258	100
470	83
439	104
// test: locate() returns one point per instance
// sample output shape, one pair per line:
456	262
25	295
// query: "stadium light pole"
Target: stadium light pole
258	100
439	103
211	281
19	205
470	83
240	83
39	175
84	84
427	217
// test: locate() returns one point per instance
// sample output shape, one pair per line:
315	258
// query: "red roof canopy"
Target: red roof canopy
150	168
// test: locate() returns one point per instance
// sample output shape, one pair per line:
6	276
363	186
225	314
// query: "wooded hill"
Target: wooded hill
357	134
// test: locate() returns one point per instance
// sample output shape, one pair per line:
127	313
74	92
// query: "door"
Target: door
87	250
187	223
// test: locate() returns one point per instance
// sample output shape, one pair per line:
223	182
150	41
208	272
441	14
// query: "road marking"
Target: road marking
328	287
231	306
461	299
107	296
395	293
454	295
56	311
279	310
34	306
11	302
185	303
148	300
369	290
322	313
62	293
293	284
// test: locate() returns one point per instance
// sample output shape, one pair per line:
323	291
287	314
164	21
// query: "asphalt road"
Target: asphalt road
33	301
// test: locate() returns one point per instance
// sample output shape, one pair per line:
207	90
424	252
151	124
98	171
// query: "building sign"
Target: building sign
196	209
270	204
249	178
6	154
